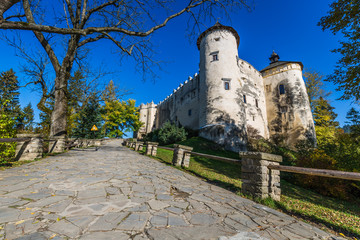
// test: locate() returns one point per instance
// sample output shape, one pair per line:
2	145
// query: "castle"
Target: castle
229	99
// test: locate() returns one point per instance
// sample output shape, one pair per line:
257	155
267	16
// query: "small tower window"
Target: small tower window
244	97
217	39
189	112
282	89
214	56
227	85
256	103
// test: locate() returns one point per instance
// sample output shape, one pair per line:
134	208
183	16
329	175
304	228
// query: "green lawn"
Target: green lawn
328	213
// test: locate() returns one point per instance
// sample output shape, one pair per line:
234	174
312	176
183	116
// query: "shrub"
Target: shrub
169	133
327	186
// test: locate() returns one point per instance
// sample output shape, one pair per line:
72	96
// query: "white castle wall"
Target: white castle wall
203	103
289	114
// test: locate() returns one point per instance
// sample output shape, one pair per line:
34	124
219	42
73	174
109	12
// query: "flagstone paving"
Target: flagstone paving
115	193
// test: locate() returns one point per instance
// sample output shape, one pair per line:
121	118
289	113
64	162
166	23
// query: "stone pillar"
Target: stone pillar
57	144
29	150
181	155
151	148
154	149
257	179
139	146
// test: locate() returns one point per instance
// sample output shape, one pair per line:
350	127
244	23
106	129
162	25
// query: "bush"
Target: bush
326	186
167	134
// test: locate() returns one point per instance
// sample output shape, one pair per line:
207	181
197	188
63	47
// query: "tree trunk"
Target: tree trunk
59	114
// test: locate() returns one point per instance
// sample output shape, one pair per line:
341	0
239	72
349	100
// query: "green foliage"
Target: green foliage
28	118
7	130
9	96
326	186
314	87
120	117
353	117
169	133
90	115
344	17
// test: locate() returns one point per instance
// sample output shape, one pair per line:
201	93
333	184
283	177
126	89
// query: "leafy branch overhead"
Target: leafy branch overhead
344	17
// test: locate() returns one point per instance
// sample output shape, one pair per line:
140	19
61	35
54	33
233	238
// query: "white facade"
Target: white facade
229	97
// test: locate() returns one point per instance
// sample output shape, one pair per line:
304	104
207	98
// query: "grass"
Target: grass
330	214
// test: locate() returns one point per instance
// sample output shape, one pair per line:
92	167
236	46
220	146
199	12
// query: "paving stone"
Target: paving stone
9	214
202	219
92	193
111	235
81	221
159	220
33	236
134	222
46	201
157	205
21	228
243	236
175	210
176	221
164	197
66	228
108	222
186	233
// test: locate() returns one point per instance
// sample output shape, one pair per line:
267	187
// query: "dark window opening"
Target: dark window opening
215	57
256	103
227	85
268	88
244	96
189	112
217	39
282	89
283	109
253	117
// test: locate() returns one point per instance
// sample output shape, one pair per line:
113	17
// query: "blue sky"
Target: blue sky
288	27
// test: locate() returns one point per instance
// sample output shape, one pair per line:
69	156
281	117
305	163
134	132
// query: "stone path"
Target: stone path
115	193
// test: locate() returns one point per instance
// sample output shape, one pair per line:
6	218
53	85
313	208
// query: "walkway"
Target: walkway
115	193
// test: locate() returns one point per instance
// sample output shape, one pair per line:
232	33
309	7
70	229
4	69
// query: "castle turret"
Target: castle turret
222	115
147	114
288	108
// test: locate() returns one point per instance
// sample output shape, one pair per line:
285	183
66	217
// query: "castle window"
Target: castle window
256	103
217	39
244	97
253	117
226	83
282	89
268	88
189	112
214	56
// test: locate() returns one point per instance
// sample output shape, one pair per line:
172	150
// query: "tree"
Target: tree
126	23
314	87
120	117
28	114
344	17
325	123
353	117
89	115
7	130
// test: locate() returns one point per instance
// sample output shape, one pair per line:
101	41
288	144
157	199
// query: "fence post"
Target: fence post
257	179
29	150
154	149
139	146
181	155
57	144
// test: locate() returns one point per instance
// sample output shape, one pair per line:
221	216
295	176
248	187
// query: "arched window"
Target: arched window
244	97
281	89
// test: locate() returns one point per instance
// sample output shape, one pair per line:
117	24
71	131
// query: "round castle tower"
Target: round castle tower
222	116
288	108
